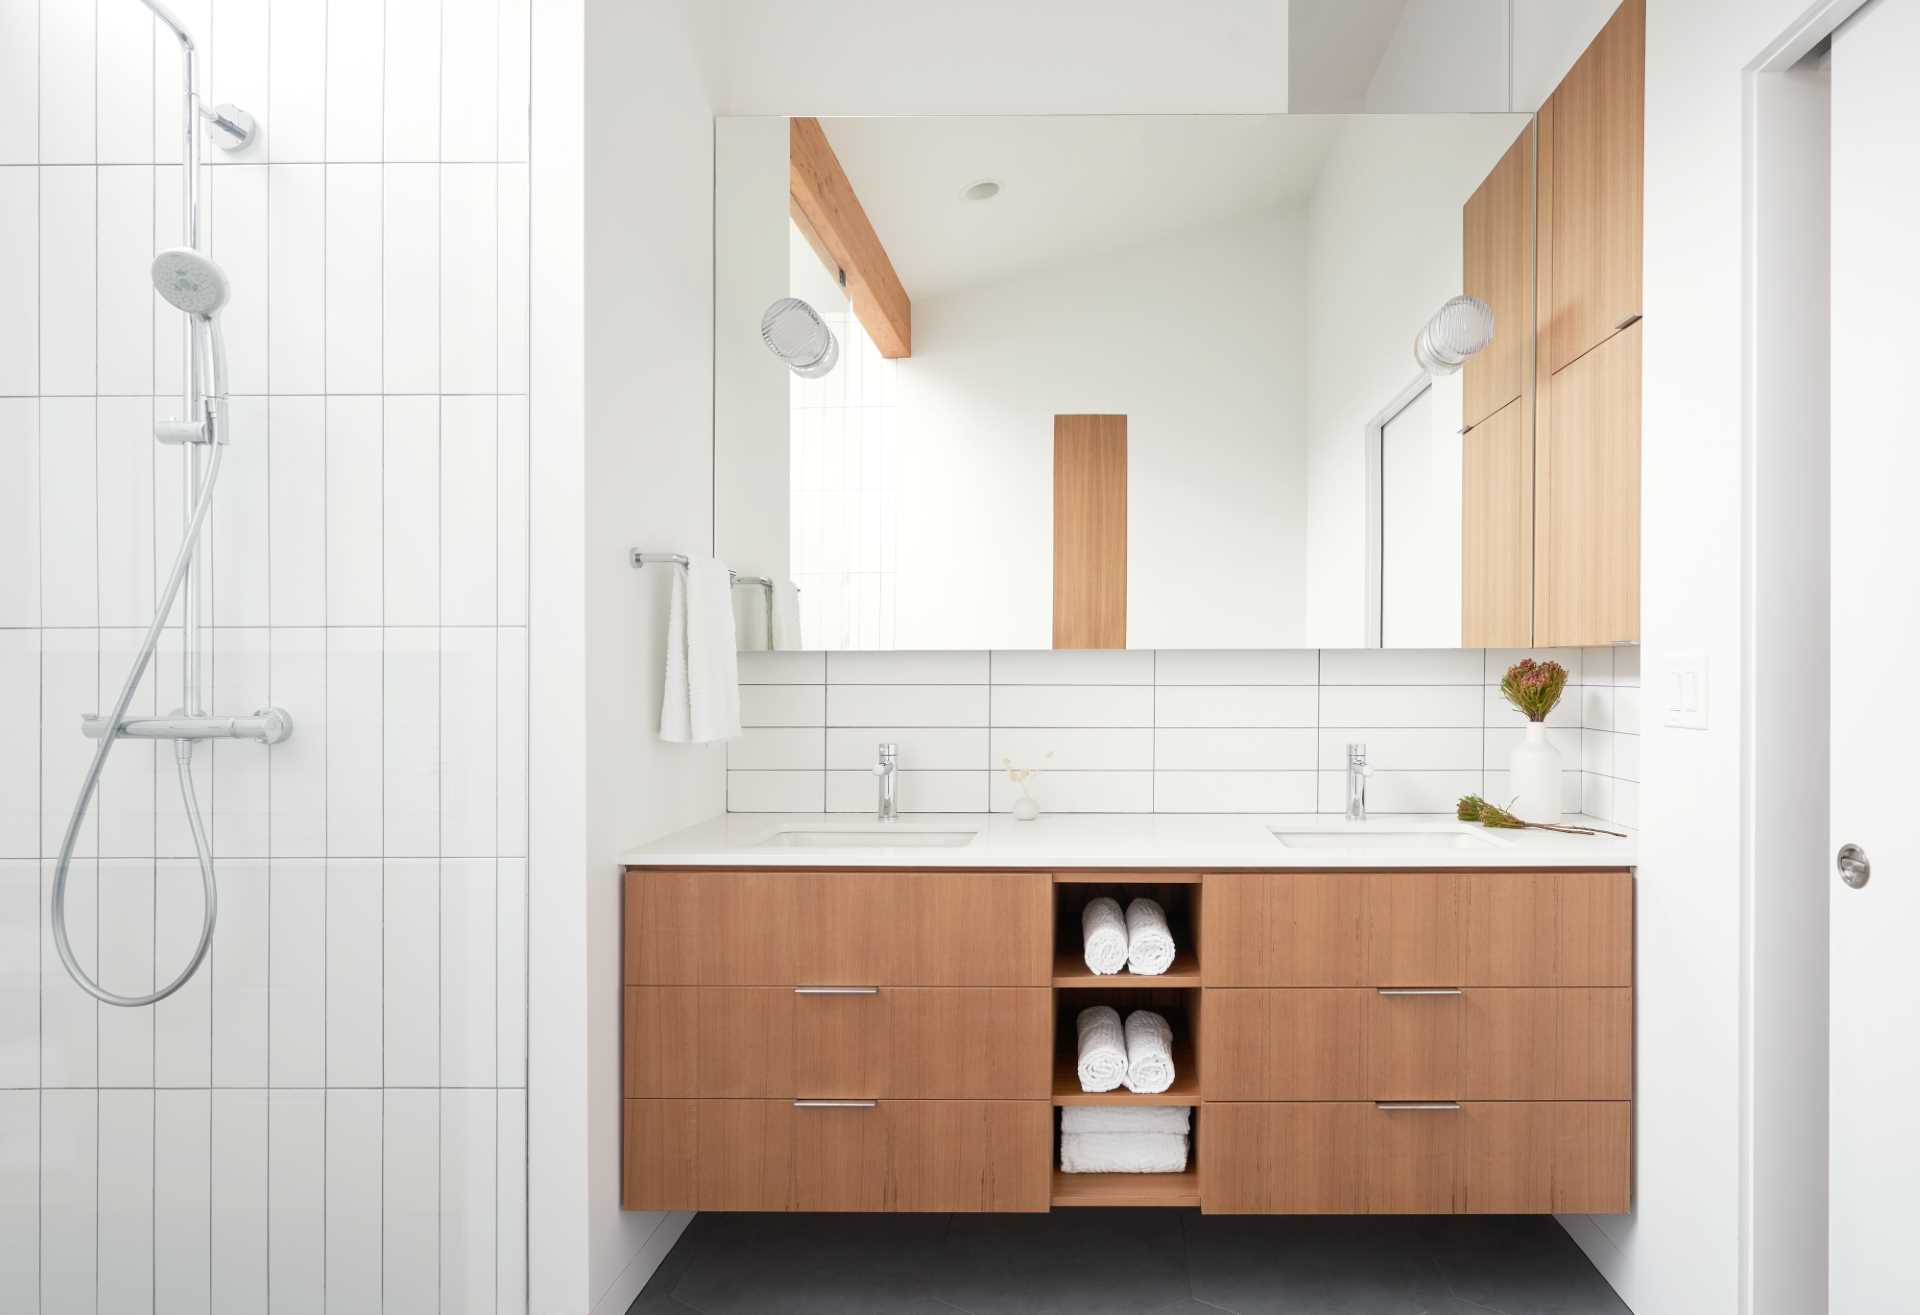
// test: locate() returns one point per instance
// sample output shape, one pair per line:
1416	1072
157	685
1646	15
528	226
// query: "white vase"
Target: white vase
1533	777
1025	808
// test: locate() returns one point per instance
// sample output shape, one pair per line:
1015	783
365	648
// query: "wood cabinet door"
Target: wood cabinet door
1587	480
1413	1159
971	1155
1496	529
1307	1158
1549	929
972	1043
974	929
1497	267
1599	147
1283	929
1415	928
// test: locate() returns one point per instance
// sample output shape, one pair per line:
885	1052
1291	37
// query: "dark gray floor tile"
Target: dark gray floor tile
814	1265
1072	1262
1518	1265
1278	1265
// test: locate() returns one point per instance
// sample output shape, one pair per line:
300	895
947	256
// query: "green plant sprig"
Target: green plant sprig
1472	808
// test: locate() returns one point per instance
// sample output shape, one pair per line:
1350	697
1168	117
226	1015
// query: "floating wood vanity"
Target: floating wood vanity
1353	1041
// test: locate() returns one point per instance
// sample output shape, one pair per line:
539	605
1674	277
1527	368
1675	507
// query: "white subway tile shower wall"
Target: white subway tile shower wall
1172	732
348	1070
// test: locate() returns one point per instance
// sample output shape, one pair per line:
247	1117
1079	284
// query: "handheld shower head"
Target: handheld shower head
795	333
190	282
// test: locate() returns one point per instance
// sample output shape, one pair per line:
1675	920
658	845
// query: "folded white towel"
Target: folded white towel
1149	1052
701	699
1123	1152
1125	1118
1103	933
1103	1049
784	619
751	618
1149	942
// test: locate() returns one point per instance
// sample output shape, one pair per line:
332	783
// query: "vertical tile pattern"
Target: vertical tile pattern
1172	732
233	1148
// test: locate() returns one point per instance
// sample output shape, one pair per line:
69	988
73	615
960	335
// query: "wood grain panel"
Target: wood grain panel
1594	1027
1236	929
971	1155
1319	929
1283	1158
1497	267
843	927
1414	1046
1413	1160
1599	126
1089	531
1239	1045
1317	1045
1507	1161
1588	536
1415	928
975	929
662	928
839	1158
1594	943
842	1046
744	928
660	1041
1542	395
659	1155
746	1155
1592	1157
1549	928
972	1043
1496	529
1512	1045
824	204
746	1041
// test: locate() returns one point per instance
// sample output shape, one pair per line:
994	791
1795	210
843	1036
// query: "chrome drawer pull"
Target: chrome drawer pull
1395	1106
836	990
835	1104
1421	990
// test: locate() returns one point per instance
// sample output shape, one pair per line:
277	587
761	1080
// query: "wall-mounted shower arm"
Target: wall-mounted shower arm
165	15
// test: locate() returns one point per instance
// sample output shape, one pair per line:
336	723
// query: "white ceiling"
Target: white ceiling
1070	186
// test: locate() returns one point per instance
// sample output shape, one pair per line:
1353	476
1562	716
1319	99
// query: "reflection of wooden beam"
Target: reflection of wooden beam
829	214
1089	531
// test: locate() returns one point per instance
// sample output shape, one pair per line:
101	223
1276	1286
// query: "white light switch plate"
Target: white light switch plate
1686	691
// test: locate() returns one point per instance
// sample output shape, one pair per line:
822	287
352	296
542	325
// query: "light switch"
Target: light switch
1687	690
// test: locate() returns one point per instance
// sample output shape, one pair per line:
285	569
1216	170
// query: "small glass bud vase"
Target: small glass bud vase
1534	776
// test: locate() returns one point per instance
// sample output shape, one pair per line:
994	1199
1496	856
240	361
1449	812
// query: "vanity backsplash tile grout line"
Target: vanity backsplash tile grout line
1146	731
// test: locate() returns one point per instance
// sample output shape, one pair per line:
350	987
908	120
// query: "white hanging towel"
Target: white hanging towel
1123	1152
1103	1049
1149	942
785	622
1149	1053
701	699
1103	933
1126	1118
752	625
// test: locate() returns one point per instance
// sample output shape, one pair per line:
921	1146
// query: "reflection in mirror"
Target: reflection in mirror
1143	381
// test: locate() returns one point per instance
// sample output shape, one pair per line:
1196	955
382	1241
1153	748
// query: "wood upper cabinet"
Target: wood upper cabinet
1593	173
1496	528
1497	267
1587	580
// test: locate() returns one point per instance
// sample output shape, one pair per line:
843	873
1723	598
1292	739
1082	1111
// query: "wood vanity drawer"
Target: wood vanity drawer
862	1156
1412	929
1471	1157
911	1042
838	929
1484	1043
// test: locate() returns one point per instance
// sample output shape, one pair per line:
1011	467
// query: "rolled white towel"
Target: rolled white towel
1126	1118
1149	942
1149	1052
1103	1049
1123	1152
1103	933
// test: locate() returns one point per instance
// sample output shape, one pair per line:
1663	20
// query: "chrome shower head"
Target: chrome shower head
795	333
190	281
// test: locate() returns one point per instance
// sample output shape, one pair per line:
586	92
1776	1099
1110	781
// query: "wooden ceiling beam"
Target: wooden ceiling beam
830	215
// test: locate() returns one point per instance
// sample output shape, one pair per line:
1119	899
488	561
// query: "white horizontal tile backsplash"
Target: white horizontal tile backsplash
1171	732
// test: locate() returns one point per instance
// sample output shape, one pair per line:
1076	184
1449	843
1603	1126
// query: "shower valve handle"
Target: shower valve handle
177	432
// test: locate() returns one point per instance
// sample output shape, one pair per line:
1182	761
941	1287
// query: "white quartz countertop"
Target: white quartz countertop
1184	841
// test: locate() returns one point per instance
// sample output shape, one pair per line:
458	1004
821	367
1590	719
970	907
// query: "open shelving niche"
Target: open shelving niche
1175	993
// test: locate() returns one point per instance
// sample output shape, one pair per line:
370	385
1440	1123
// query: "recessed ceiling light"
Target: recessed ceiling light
984	190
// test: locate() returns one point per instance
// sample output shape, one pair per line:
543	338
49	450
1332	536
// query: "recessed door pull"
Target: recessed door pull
1420	990
836	990
1400	1106
835	1104
1624	323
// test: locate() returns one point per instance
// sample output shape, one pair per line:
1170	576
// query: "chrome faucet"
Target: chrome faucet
889	810
1357	774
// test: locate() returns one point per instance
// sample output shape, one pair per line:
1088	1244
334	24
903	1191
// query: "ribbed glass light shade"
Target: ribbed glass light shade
1461	327
795	333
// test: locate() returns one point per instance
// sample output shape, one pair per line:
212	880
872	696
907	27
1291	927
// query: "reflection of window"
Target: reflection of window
842	445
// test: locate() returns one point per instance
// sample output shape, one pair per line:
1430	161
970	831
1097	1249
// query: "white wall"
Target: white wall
1215	461
336	1102
648	471
1383	244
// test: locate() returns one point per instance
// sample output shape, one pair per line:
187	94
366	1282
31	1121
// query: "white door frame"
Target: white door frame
1784	953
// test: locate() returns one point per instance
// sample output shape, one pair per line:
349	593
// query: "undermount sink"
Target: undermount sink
878	838
1384	836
